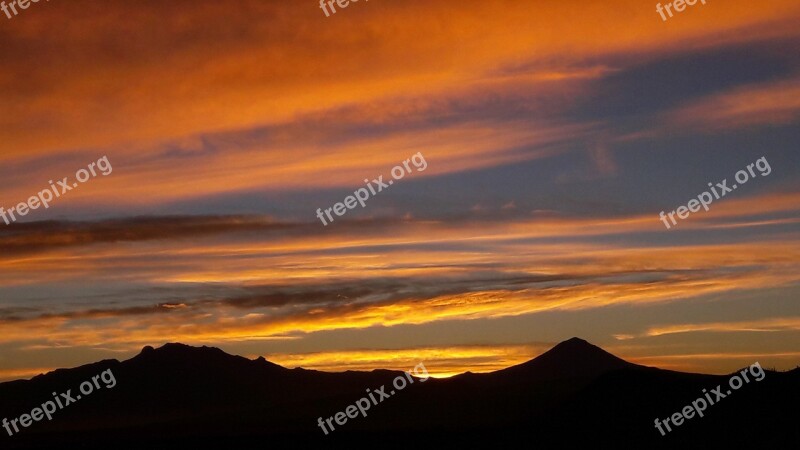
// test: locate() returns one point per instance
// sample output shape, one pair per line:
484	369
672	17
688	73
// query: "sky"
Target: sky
549	136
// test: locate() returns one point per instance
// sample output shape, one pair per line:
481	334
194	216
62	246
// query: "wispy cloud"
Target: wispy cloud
762	325
771	103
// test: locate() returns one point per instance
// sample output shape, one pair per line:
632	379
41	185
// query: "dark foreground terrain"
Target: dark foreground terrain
574	396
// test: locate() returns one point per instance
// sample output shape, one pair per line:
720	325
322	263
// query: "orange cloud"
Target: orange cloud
762	325
171	71
682	273
765	103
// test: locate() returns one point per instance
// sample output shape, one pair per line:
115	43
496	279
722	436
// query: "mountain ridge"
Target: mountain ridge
178	394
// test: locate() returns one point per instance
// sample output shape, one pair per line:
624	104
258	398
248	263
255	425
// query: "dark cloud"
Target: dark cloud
21	238
342	295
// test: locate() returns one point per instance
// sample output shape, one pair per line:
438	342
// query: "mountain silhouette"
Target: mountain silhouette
572	396
573	358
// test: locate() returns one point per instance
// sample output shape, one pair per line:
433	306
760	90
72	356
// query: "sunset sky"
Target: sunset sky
554	133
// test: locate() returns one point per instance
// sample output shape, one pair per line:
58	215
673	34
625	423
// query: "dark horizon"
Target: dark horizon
254	400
